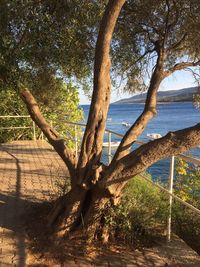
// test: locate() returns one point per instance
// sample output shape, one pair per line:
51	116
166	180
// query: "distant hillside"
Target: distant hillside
180	95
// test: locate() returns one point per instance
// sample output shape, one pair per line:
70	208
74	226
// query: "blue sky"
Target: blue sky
178	80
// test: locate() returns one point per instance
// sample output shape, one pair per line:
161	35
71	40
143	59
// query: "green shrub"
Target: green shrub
58	106
187	186
141	212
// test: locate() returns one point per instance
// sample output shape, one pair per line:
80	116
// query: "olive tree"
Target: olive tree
164	30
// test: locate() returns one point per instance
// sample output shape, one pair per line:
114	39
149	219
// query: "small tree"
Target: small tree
162	29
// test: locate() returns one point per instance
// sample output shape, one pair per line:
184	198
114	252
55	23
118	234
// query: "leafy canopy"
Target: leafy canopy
144	26
45	45
46	38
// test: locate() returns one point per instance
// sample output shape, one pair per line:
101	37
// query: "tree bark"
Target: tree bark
148	113
140	159
82	207
92	184
53	137
67	211
93	137
79	210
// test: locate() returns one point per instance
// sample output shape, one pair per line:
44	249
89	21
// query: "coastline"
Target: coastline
142	103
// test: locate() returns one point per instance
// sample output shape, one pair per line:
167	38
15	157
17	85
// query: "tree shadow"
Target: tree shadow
75	250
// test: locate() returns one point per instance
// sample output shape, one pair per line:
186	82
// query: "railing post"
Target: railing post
76	142
171	181
109	148
34	133
51	124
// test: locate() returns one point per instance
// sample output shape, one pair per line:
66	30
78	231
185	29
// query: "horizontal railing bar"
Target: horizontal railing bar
75	123
112	132
106	130
173	195
189	159
16	116
20	127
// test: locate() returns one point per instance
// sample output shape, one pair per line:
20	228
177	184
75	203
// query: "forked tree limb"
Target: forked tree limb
158	75
53	137
140	159
181	66
93	137
148	113
150	106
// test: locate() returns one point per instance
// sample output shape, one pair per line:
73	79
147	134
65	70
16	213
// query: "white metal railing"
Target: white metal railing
171	175
139	142
33	126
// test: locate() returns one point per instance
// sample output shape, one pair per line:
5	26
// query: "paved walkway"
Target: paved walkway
28	170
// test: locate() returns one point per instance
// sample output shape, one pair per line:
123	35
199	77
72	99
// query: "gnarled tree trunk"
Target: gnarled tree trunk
93	185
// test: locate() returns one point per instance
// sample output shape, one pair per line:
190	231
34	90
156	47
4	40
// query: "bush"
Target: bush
141	213
61	104
143	210
187	186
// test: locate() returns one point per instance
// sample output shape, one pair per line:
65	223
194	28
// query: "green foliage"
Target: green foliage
65	108
187	186
11	104
143	25
41	40
46	36
142	210
187	183
196	99
43	44
57	108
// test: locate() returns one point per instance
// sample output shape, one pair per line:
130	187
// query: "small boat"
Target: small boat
153	136
109	119
126	124
113	144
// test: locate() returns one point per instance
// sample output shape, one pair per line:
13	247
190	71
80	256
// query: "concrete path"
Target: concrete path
28	170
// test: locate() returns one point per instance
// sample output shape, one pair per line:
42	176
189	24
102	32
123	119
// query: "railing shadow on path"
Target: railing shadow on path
10	220
25	181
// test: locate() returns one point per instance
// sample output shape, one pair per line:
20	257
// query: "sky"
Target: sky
178	80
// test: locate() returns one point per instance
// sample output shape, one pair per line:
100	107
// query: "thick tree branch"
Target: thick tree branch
148	113
93	137
48	131
140	159
181	66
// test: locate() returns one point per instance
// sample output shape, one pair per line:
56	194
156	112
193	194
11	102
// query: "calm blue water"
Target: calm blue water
170	117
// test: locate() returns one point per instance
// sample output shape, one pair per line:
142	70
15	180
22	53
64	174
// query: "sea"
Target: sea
170	117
